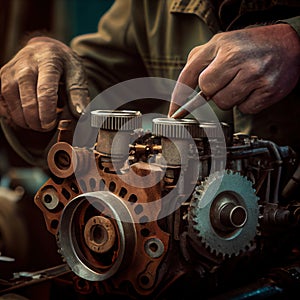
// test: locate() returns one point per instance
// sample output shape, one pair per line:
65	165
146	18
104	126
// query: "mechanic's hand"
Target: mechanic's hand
252	68
30	81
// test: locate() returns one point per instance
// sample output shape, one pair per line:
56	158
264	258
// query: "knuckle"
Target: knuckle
3	71
269	82
51	64
255	69
193	51
207	86
189	72
203	82
24	74
221	38
6	75
28	103
47	90
47	93
7	87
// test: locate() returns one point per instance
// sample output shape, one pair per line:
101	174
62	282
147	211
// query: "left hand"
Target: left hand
251	68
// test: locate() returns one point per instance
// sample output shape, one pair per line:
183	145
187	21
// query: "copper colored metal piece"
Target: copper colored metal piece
64	160
99	234
60	160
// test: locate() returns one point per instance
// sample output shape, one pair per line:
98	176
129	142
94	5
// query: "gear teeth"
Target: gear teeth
200	213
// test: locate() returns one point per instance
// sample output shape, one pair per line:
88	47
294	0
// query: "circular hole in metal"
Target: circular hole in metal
123	192
54	224
47	198
112	186
74	188
238	216
98	234
144	280
145	232
153	247
82	284
132	198
62	160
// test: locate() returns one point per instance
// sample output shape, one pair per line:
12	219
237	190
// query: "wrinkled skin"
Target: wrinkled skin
30	83
251	68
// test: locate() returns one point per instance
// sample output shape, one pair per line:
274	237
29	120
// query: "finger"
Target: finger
27	79
11	97
76	84
198	61
257	101
195	102
235	92
179	97
219	73
47	89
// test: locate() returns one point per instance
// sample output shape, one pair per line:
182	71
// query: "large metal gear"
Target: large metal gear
224	213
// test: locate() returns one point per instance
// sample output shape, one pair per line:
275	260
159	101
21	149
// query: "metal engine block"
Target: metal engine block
187	204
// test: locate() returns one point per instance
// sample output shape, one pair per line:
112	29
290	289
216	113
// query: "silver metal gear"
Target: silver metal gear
224	213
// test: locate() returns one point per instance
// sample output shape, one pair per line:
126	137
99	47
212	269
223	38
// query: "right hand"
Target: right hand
251	68
30	82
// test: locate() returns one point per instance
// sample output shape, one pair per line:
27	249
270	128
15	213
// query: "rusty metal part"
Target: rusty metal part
50	198
97	204
63	159
99	234
143	269
74	232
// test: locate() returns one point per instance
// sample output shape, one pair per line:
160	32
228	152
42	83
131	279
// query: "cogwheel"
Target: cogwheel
224	213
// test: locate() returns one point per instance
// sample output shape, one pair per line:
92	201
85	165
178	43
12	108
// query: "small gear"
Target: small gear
224	213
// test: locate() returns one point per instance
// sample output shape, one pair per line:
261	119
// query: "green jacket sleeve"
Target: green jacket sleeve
294	22
110	55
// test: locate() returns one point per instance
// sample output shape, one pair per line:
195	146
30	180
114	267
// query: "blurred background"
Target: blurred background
62	19
23	234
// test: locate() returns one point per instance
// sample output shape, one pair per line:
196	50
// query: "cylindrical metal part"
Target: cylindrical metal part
115	130
227	212
233	216
96	245
63	159
99	234
176	137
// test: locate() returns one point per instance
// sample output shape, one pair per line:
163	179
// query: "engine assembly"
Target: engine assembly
187	204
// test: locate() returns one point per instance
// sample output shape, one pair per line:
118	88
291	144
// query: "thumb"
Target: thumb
78	99
76	85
